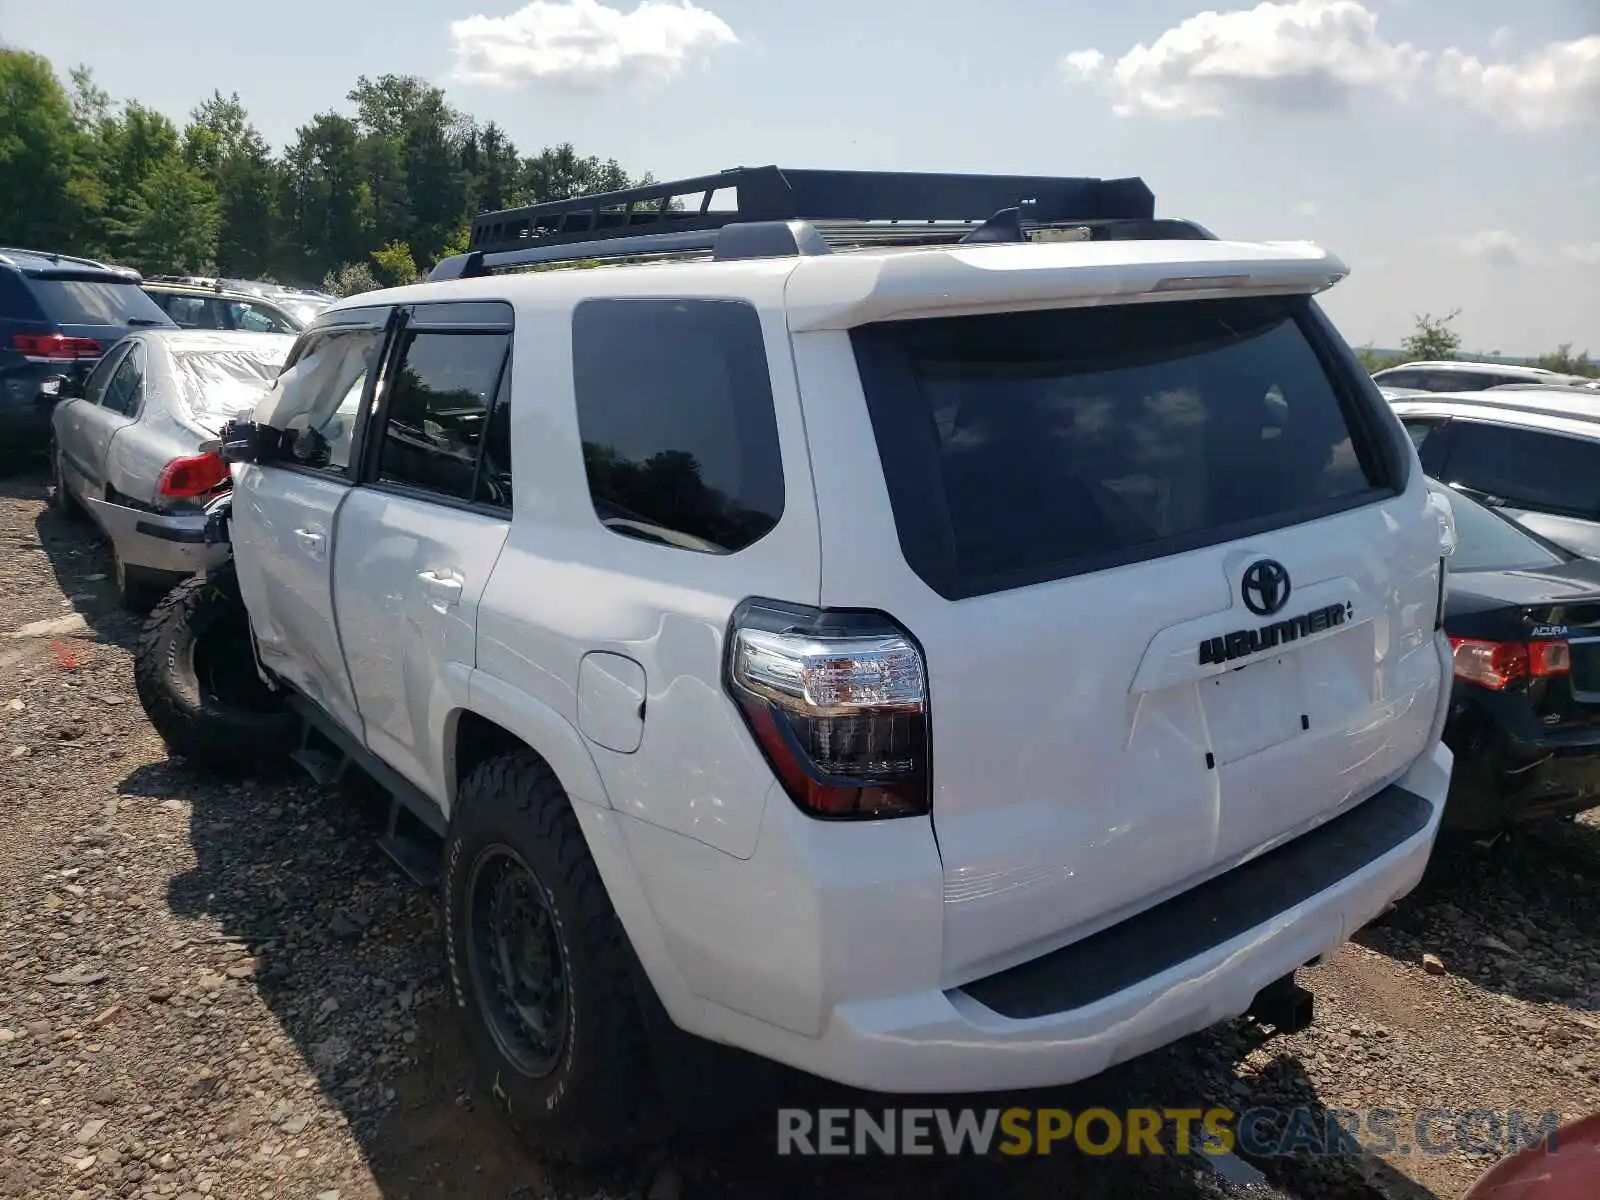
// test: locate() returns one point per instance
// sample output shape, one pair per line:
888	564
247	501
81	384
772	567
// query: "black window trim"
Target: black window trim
905	438
369	440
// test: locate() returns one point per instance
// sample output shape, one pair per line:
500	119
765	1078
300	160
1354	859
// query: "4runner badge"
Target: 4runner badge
1244	642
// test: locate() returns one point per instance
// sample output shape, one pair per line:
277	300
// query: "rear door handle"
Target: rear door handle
310	541
444	591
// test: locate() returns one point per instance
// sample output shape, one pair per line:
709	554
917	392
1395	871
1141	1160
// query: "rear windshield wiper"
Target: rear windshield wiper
144	321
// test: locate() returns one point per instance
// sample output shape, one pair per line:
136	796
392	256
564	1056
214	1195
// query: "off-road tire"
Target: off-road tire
199	726
599	1094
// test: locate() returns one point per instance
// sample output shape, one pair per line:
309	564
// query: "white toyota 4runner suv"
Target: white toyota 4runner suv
944	633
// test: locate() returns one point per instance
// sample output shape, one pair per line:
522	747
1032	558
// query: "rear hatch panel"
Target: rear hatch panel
1079	497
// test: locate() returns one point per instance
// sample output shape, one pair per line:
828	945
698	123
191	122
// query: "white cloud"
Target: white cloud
1305	54
1496	247
1549	89
1588	255
1308	208
1083	64
586	43
1313	54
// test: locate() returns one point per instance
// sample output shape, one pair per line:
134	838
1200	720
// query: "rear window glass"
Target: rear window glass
216	386
1527	469
1486	541
96	302
1067	441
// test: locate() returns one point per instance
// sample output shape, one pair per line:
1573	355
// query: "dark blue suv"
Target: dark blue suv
58	315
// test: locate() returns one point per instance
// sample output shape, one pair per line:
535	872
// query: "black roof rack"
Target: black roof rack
777	213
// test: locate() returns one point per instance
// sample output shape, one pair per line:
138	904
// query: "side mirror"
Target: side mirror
55	388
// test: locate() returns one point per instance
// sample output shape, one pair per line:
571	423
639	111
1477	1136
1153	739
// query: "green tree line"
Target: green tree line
1434	339
358	199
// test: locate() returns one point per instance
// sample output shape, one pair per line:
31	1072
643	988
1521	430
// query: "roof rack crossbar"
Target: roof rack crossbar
771	194
802	212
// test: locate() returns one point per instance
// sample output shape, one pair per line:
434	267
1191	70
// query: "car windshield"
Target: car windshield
1486	541
97	302
214	386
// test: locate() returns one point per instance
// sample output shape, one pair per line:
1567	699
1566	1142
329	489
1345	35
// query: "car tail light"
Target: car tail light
838	703
54	345
1498	665
195	475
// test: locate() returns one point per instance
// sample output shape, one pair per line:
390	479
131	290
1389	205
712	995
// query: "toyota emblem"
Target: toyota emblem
1265	588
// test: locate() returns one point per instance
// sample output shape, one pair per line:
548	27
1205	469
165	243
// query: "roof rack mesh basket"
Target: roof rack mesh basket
778	213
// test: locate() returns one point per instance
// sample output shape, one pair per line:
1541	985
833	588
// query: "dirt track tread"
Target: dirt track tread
208	735
611	1086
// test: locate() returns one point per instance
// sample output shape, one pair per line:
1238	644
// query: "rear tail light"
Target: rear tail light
54	345
1498	665
196	475
838	703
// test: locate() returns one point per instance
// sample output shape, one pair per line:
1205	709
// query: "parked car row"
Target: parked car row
226	307
1516	450
126	445
60	315
1454	376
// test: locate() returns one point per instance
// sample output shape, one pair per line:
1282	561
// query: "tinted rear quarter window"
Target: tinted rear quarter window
680	440
1022	447
16	302
95	302
1527	468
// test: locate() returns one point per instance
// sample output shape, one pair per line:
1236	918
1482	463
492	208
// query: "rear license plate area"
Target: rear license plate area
1252	708
1311	686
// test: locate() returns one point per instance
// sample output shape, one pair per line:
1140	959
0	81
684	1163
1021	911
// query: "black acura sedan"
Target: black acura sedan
1523	618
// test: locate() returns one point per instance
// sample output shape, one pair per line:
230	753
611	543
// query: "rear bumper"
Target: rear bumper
1037	1025
24	419
167	544
1504	780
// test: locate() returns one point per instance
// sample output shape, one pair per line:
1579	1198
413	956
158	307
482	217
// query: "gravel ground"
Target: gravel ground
227	991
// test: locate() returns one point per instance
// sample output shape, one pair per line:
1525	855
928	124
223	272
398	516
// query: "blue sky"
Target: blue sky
1450	153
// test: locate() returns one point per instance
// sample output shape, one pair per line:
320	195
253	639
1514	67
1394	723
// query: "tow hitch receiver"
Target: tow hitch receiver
1284	1005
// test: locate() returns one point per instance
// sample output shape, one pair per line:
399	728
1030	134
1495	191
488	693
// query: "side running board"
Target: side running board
415	828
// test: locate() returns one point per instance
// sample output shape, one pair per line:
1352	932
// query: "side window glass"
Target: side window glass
1528	469
248	317
315	403
123	392
438	406
94	388
187	312
680	440
1419	431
